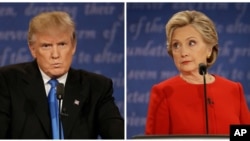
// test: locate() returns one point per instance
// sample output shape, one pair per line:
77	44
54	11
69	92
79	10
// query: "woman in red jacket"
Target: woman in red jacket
178	105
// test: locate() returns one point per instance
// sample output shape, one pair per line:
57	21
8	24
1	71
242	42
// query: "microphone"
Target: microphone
60	91
203	71
60	95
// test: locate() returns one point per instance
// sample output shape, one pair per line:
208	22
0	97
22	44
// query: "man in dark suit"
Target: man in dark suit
88	110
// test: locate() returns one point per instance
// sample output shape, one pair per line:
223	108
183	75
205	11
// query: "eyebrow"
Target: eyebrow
43	43
191	37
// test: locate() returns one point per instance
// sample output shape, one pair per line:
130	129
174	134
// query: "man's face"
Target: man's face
53	51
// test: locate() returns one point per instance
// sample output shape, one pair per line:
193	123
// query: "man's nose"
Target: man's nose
55	52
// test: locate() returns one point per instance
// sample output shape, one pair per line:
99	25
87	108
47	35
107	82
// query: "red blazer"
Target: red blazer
177	107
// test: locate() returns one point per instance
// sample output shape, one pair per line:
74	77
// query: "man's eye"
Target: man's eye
62	44
45	45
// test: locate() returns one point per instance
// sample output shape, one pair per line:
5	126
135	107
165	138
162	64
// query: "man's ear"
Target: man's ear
32	51
74	49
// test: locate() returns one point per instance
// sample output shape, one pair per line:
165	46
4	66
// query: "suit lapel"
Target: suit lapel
76	95
34	90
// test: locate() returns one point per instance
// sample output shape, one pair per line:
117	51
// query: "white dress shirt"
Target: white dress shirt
47	86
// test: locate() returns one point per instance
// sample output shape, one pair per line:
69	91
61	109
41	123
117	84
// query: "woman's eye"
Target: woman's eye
192	43
175	45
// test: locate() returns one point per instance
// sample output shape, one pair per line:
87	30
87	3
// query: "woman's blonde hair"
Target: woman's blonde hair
203	24
47	20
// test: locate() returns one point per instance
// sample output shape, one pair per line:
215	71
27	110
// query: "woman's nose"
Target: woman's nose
184	51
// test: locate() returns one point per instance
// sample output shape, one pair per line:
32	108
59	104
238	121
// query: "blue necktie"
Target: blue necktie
54	111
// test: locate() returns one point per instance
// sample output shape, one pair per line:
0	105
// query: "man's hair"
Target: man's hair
45	21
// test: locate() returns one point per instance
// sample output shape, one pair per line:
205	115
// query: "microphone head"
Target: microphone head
60	91
202	69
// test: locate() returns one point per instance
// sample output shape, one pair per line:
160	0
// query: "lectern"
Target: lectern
184	137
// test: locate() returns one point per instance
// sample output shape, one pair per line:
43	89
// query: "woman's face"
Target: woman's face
189	49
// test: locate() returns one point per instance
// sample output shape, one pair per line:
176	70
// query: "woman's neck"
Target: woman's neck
197	78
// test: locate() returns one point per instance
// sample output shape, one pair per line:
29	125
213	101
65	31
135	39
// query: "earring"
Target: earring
208	56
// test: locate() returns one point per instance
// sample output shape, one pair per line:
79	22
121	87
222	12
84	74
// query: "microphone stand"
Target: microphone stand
60	123
60	95
205	98
202	71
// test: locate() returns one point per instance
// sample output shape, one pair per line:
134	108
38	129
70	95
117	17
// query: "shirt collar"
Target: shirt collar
46	78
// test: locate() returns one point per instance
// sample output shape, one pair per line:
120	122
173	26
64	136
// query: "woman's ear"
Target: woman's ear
210	50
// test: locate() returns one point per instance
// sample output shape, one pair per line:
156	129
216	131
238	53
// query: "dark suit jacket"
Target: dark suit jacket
24	112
